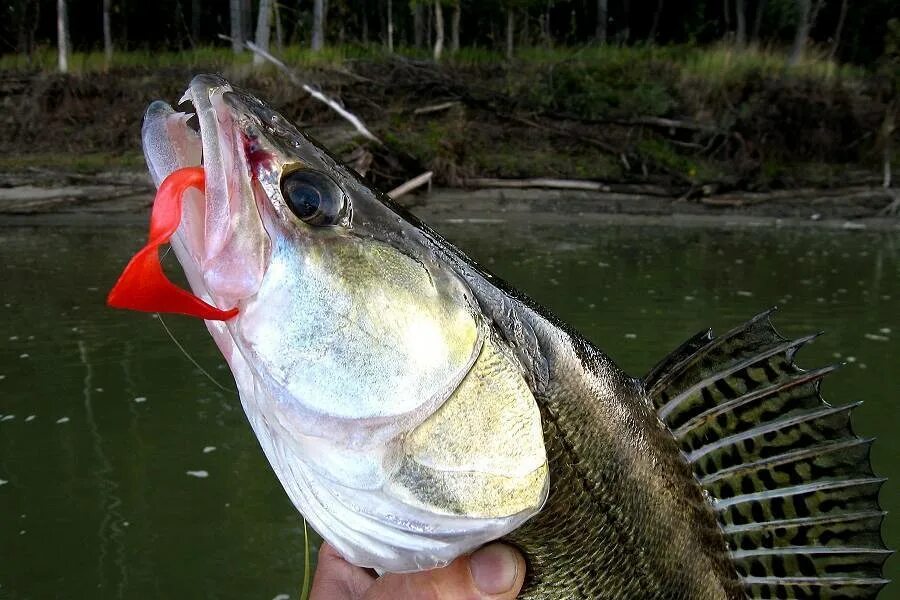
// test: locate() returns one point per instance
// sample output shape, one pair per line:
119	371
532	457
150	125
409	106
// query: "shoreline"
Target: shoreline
124	198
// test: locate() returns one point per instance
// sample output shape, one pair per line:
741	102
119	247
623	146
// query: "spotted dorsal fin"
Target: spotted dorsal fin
791	483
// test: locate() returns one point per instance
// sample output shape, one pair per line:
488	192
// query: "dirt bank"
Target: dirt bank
639	136
125	197
638	118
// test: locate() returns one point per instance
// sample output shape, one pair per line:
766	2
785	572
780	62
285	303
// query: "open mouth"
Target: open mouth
171	144
216	233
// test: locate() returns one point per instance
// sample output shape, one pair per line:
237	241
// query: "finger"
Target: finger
336	579
495	572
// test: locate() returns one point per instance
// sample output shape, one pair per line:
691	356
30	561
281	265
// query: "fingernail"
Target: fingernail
494	569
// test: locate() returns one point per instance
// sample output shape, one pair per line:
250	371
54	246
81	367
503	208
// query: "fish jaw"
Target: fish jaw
221	242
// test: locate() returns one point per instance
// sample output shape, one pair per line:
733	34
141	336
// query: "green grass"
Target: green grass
92	62
714	62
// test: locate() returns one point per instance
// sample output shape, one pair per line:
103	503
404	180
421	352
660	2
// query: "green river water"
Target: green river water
126	473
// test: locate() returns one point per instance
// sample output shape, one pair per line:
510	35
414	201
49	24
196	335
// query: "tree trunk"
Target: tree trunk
279	31
626	21
510	31
454	27
365	26
318	25
196	19
26	25
757	20
263	28
802	35
107	34
741	13
602	20
651	37
390	26
237	29
814	15
438	30
836	42
545	26
62	35
418	25
246	20
427	14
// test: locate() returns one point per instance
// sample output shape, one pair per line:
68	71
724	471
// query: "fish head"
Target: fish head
352	333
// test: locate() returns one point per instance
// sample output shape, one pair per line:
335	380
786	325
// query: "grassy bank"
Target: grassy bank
691	118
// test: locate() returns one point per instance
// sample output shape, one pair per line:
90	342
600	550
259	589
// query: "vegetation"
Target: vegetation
842	30
698	96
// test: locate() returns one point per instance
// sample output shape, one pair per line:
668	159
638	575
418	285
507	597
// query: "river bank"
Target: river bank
43	196
695	122
643	132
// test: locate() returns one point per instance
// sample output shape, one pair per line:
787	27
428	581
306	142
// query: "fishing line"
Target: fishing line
182	348
191	358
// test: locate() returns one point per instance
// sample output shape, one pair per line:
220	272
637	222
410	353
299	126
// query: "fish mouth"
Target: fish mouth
221	242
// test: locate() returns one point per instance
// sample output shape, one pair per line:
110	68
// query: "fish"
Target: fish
415	407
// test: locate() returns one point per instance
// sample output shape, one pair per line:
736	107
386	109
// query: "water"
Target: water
128	474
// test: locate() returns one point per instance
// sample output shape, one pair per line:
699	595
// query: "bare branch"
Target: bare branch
412	184
333	104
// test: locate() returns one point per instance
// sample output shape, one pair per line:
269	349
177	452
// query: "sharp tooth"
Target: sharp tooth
188	97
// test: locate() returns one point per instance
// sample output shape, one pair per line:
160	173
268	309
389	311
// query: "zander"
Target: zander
414	407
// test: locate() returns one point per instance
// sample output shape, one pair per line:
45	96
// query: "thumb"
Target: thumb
495	572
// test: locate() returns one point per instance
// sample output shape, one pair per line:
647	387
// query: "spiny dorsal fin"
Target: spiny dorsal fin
791	483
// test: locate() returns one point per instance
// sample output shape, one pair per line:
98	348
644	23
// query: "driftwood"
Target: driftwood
546	183
435	107
318	95
415	182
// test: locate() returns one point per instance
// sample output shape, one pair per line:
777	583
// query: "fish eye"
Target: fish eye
314	197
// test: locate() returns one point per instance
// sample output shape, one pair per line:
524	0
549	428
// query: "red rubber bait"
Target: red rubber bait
143	285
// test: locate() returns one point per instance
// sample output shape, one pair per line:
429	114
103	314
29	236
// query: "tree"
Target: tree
279	32
438	30
237	28
454	26
651	37
802	34
263	28
741	14
757	19
390	26
418	24
62	35
836	40
602	20
318	25
510	30
107	33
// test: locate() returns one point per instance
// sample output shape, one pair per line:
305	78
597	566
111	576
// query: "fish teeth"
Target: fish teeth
187	97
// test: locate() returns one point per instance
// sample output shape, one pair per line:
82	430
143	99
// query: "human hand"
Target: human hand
495	572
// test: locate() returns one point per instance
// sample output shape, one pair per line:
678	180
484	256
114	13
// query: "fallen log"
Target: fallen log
537	182
412	184
435	107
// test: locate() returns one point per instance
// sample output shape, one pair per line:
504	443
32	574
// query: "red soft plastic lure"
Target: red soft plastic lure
143	285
